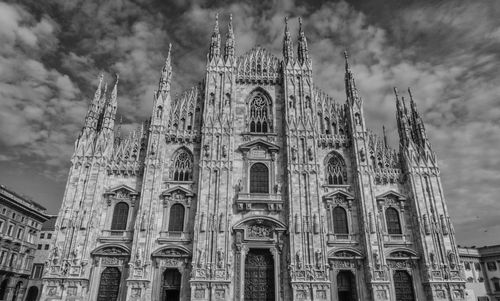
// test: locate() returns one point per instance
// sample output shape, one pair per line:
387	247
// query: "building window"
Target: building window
176	220
10	230
42	235
393	223
183	166
491	265
4	210
2	257
335	170
37	271
477	266
340	221
1	226
467	265
13	215
496	284
39	247
120	217
260	108
12	261
19	234
259	178
49	235
46	247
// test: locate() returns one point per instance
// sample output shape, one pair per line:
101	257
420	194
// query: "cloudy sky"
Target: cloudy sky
51	53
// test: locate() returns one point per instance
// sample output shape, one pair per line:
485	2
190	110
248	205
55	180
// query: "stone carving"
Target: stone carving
220	258
259	231
318	257
298	258
199	293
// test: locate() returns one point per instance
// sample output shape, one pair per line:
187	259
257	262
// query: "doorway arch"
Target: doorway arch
346	286
171	285
109	285
259	275
32	293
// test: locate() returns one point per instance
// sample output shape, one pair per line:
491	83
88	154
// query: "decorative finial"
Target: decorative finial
300	22
346	58
396	92
409	92
385	136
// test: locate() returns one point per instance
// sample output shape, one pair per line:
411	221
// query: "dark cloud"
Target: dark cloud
53	51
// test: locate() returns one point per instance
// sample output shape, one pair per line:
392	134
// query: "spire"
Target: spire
214	51
92	116
302	51
385	136
166	72
287	44
229	50
350	84
110	108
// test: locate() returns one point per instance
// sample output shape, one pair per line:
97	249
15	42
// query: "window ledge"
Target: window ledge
116	236
342	239
169	236
260	134
259	201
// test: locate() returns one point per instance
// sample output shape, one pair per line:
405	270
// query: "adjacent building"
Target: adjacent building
44	242
253	185
482	272
21	221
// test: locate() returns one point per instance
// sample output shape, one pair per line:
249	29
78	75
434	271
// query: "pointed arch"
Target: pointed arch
259	111
335	172
182	167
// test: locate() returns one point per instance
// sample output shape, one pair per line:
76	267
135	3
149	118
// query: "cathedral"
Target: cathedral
253	185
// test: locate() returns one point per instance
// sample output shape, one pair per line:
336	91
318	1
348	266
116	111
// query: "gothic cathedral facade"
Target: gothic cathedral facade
253	185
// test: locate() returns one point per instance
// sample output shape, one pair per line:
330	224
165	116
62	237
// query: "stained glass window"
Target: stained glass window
393	223
340	221
259	178
120	217
183	166
260	107
335	170
176	220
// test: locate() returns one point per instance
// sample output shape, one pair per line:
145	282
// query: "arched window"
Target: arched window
340	221
183	166
259	178
335	170
120	217
260	113
393	224
176	220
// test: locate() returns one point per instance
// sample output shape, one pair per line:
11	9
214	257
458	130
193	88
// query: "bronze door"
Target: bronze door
109	285
259	275
403	286
346	286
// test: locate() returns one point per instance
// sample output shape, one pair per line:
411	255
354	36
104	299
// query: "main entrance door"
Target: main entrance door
403	285
171	285
259	275
346	286
109	285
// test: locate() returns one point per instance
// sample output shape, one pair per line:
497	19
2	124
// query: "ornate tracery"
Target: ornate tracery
335	170
183	166
260	120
